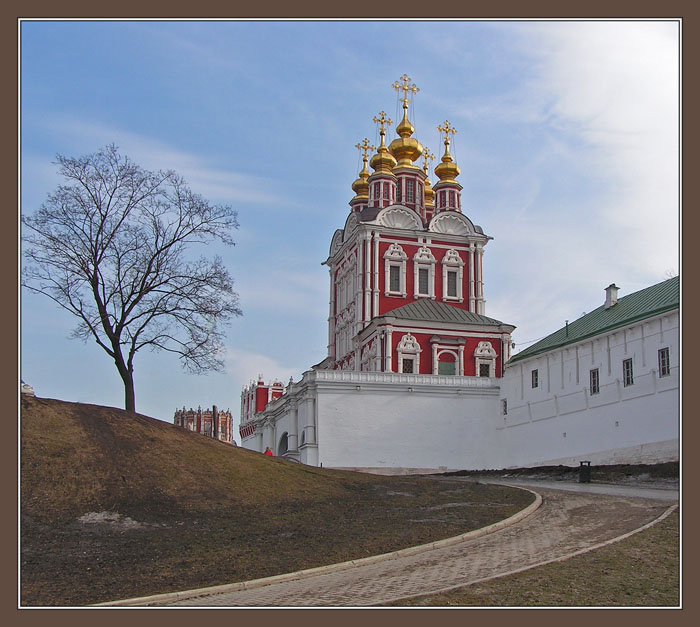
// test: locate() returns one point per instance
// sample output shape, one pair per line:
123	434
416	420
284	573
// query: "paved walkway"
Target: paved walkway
567	521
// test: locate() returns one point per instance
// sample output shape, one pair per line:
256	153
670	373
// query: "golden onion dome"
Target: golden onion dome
429	194
360	186
405	148
447	169
383	161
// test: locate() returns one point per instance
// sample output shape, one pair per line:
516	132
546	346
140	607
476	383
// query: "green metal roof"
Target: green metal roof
645	303
428	310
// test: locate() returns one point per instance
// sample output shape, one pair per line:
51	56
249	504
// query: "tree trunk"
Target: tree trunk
129	399
127	376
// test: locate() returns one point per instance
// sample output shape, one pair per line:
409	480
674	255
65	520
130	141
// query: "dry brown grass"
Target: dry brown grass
208	513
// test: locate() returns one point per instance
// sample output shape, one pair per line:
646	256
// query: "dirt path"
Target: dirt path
566	522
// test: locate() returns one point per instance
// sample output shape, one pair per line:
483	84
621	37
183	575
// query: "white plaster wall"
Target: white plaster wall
384	421
560	422
382	428
392	422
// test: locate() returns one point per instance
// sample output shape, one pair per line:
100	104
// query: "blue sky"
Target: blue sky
567	142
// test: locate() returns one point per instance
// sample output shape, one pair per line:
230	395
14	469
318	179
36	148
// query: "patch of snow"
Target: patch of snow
114	519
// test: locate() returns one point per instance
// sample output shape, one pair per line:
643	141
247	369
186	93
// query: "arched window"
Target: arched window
283	445
447	363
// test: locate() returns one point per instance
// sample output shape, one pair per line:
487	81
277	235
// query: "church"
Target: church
416	377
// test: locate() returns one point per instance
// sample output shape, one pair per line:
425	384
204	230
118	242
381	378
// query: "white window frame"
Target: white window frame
410	187
535	375
594	381
424	259
486	355
397	267
408	348
664	362
452	262
627	372
395	256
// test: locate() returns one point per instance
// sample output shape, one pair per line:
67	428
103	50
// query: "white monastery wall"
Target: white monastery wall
561	422
384	422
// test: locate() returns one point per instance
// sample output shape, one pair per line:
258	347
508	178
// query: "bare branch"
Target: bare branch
112	246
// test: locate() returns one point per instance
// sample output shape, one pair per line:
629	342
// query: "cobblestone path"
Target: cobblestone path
566	522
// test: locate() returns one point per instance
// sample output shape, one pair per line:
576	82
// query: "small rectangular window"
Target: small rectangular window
386	191
452	283
595	381
505	406
398	192
394	279
453	202
664	363
407	366
535	379
484	370
627	373
409	191
423	278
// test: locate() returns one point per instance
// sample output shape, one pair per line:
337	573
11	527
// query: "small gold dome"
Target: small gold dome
360	186
383	161
429	194
447	169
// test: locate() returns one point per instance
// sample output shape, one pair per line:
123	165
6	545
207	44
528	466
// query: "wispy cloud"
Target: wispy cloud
212	182
242	366
615	86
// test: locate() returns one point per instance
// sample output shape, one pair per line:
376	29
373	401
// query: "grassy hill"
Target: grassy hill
115	504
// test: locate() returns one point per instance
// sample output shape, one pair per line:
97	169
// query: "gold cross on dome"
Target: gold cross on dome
406	88
365	147
381	120
447	129
427	156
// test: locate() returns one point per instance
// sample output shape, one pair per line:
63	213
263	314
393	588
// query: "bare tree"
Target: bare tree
112	245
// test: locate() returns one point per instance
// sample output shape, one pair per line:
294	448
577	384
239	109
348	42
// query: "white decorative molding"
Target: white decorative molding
336	242
409	344
485	349
424	255
397	217
395	252
451	223
370	356
350	225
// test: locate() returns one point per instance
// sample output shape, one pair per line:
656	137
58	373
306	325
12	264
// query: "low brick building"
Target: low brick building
210	422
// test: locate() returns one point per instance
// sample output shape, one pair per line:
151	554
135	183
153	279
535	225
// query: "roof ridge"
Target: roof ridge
644	303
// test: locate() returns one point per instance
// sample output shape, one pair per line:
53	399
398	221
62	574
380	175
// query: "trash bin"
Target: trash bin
584	472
